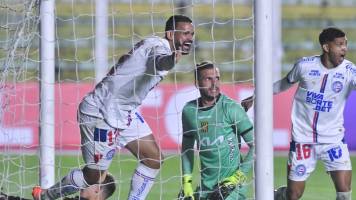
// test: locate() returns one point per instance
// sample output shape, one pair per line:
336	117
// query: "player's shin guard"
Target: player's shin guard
142	182
70	184
343	195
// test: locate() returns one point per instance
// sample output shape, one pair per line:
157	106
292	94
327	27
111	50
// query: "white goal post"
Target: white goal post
263	99
47	98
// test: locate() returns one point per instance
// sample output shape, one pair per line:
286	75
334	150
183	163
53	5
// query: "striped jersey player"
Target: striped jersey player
324	83
108	116
317	114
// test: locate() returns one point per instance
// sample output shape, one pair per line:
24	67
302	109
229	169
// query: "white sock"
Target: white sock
69	184
343	195
142	182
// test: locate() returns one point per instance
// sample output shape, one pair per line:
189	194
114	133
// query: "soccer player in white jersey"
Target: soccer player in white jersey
108	116
324	83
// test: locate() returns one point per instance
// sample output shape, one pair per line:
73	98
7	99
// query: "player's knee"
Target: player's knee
343	195
343	188
294	194
154	163
92	176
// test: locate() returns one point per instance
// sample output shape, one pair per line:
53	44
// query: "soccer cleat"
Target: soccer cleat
37	193
280	193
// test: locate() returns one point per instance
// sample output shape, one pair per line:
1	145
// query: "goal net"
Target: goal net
223	35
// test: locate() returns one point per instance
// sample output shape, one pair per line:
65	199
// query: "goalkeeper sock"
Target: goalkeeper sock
70	184
142	182
343	195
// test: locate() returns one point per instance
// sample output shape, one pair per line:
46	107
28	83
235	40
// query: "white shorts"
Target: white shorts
303	158
100	141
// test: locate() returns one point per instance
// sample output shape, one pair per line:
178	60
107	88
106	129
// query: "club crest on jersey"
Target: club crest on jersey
337	86
204	126
300	170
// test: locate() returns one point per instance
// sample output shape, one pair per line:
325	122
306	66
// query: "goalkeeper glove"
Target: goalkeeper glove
227	185
187	193
238	178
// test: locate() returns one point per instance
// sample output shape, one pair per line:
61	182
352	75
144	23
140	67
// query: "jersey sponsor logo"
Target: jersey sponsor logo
308	59
335	153
204	126
339	75
110	154
232	149
337	86
351	68
300	170
317	99
205	141
314	73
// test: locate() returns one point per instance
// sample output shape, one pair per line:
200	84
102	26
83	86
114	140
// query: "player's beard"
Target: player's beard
210	96
184	47
336	60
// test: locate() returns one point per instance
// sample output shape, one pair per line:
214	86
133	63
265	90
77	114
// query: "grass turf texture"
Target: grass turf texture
19	173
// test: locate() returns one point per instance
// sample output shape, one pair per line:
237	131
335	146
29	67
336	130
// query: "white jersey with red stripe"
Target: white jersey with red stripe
127	83
317	114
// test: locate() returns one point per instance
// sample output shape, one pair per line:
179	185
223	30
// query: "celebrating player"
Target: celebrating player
108	115
94	192
217	124
325	82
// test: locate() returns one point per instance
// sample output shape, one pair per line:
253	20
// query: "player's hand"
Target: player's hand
247	103
238	178
224	188
187	187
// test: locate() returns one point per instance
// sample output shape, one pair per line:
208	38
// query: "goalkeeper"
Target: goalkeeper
217	124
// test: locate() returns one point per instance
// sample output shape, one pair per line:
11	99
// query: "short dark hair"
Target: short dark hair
108	186
173	20
201	66
329	35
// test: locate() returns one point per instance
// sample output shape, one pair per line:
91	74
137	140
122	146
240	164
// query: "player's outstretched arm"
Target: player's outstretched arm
281	85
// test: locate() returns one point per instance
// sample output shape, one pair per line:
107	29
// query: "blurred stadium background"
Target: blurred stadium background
224	34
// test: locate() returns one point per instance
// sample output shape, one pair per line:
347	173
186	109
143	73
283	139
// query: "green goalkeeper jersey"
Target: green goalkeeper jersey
217	131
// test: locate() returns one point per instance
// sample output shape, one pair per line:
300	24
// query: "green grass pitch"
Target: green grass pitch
19	173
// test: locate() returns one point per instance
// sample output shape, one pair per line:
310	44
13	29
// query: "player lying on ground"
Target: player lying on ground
94	192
